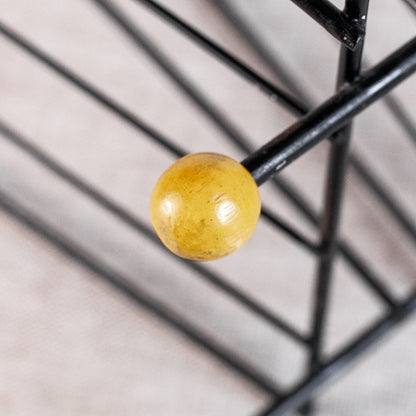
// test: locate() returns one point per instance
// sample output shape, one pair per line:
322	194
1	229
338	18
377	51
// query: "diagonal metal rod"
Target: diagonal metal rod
88	88
136	294
344	358
333	114
127	116
350	32
277	68
105	202
273	92
140	40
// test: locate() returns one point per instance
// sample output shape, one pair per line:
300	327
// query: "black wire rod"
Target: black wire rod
132	291
273	92
105	202
330	116
282	73
350	32
91	90
140	40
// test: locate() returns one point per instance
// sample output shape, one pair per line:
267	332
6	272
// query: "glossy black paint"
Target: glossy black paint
348	30
330	116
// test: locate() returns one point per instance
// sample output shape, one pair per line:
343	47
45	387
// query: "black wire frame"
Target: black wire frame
320	370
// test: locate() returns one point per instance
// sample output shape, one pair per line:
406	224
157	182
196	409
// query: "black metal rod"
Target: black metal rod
366	274
344	358
348	31
132	291
89	89
140	40
332	114
269	216
348	72
273	92
106	203
277	67
127	116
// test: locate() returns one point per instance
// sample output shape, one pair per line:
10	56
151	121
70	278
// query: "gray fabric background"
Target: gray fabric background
69	344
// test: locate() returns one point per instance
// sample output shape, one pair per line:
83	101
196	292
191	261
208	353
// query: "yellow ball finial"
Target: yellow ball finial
205	206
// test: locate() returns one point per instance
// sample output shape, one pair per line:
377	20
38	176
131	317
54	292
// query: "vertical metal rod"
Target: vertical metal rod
349	69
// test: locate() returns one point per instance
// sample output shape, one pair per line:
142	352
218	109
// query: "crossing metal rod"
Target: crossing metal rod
275	93
339	24
332	114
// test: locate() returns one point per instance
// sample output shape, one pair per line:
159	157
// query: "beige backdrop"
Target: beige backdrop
69	344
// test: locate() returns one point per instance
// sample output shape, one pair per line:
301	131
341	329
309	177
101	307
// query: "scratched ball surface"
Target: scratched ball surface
205	206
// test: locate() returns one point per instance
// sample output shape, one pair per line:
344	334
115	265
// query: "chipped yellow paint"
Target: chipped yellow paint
205	206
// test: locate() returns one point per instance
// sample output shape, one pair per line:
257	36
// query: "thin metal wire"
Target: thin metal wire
332	114
88	88
140	40
272	91
105	202
135	293
124	114
264	54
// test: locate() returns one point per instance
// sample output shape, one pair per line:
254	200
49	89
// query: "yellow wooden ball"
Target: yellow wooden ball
205	206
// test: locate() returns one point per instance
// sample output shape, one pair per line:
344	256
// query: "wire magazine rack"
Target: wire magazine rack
331	120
